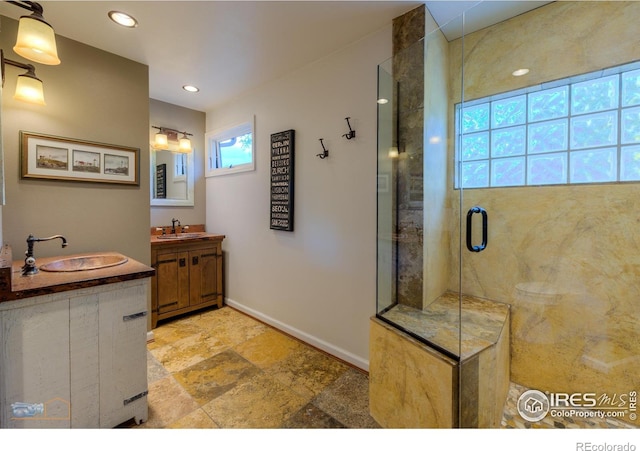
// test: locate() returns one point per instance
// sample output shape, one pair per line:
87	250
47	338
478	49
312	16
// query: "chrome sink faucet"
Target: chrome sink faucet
173	225
29	267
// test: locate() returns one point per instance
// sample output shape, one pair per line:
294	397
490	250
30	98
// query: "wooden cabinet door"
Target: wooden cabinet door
204	275
172	278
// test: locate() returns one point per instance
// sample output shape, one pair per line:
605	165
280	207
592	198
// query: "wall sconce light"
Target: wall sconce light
185	143
164	135
161	141
28	87
36	39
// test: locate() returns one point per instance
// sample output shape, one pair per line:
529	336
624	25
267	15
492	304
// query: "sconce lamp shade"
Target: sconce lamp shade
185	145
161	141
36	40
29	89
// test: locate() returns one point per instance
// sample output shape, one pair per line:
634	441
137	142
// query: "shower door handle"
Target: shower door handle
470	214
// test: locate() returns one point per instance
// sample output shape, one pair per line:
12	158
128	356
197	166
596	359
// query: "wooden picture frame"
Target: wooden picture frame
58	158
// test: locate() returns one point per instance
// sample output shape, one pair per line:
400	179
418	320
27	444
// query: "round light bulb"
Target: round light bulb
123	19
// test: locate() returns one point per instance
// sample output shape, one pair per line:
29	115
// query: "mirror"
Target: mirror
171	178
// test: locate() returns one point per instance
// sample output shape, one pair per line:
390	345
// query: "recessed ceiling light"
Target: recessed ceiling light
190	88
123	19
383	101
520	72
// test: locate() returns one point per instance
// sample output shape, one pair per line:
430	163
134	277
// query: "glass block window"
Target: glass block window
582	129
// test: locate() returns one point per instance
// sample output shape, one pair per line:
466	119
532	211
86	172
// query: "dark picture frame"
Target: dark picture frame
282	180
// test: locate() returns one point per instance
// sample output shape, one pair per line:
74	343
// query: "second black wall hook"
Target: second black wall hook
352	133
325	151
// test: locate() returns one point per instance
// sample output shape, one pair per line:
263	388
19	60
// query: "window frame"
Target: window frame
214	138
180	164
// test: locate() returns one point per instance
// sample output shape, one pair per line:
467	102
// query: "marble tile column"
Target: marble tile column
408	70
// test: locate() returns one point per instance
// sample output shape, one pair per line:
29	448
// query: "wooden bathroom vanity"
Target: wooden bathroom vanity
73	351
188	273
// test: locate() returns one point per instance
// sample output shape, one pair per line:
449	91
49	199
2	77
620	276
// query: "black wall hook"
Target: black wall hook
352	133
325	152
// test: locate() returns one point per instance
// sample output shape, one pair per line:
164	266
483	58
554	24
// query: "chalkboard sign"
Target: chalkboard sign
282	165
161	181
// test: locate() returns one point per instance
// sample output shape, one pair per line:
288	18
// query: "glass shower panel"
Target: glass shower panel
548	156
418	277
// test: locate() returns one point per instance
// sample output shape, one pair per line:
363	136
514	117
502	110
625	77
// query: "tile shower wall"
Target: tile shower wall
408	70
420	79
565	257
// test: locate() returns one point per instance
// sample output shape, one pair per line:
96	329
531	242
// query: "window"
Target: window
231	150
180	163
583	129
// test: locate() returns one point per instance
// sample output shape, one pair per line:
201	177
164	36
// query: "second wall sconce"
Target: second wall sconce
28	87
164	135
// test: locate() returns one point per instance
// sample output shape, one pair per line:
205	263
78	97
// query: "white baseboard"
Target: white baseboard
310	339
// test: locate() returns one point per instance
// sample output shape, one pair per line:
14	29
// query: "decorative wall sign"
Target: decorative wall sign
53	157
161	181
282	177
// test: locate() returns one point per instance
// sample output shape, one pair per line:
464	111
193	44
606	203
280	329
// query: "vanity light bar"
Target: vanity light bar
164	135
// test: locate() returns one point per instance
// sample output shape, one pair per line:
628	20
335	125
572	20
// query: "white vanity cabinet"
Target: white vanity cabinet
75	358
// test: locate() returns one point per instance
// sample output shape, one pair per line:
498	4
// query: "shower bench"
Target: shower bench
461	381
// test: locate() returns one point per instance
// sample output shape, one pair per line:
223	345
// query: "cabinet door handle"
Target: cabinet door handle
136	397
134	316
182	262
194	260
160	307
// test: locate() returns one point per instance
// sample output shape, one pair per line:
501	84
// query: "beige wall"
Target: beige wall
95	96
164	114
565	257
319	281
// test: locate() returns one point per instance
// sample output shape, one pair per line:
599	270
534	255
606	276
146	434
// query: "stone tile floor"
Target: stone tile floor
224	369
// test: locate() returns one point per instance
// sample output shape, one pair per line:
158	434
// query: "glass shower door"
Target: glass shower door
547	161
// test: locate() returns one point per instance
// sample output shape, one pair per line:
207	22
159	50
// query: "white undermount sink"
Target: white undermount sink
84	263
